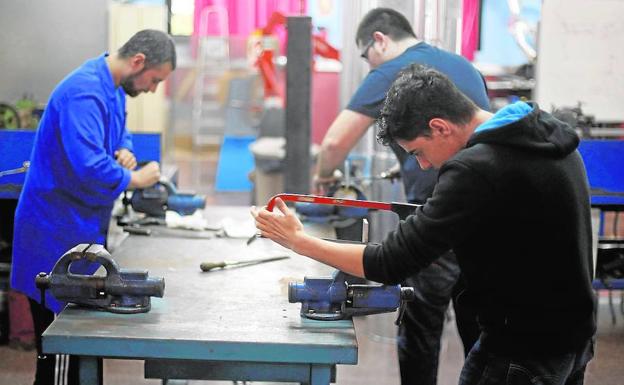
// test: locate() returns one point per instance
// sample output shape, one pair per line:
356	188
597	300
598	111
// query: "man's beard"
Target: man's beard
128	84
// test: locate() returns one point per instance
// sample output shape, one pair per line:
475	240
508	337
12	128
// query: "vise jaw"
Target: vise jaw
154	201
343	296
119	291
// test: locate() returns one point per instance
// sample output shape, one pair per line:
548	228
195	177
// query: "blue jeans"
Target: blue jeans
486	368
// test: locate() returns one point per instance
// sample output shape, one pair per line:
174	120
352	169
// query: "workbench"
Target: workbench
231	324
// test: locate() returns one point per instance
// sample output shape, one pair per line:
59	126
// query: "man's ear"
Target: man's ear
137	62
439	127
380	38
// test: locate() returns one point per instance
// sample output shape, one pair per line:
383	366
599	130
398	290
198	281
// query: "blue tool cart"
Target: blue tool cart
16	146
604	161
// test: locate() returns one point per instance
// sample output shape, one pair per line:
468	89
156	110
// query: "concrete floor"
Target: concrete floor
377	352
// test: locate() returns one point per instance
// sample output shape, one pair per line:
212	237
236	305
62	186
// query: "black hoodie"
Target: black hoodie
514	206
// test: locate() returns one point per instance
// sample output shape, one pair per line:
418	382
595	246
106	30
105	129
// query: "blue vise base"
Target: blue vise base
157	199
343	296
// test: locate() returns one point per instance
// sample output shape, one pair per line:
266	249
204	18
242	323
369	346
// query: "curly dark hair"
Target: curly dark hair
385	20
418	95
157	46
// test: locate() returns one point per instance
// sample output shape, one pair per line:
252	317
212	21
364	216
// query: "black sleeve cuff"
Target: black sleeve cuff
373	264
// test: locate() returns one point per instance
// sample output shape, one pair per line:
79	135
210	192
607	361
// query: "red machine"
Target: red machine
265	64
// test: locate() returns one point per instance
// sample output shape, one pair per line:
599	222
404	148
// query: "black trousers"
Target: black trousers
420	332
51	369
484	367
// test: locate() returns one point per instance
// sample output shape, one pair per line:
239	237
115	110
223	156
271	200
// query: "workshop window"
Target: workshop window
181	17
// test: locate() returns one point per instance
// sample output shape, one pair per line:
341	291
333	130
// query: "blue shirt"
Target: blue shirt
369	98
73	178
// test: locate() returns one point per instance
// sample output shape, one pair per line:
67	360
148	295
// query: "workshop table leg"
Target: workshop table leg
320	375
90	370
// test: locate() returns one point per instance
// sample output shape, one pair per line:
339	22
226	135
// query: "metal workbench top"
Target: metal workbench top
237	315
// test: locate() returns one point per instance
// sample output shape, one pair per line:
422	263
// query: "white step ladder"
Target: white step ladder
213	61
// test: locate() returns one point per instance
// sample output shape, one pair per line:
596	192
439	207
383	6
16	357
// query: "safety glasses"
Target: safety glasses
364	54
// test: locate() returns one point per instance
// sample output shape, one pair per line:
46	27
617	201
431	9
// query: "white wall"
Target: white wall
42	41
581	57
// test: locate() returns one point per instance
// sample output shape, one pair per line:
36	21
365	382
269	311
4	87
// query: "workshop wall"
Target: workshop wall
42	41
148	113
580	57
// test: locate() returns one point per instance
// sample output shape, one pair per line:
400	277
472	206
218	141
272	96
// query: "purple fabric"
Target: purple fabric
241	17
470	28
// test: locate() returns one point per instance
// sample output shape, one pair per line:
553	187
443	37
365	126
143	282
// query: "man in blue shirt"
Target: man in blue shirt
81	162
389	44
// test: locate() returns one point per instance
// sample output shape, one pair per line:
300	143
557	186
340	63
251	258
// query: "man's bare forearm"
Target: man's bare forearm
344	257
341	137
328	161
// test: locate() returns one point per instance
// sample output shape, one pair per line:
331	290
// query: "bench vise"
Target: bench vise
157	199
120	291
343	296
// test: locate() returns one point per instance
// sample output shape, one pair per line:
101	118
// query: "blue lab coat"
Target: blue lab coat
73	178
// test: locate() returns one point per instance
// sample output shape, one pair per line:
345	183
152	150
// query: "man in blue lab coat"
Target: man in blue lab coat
81	162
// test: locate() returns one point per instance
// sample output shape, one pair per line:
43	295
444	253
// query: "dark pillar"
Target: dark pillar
298	91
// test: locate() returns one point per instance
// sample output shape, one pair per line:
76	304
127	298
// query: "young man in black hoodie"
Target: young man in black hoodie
512	201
